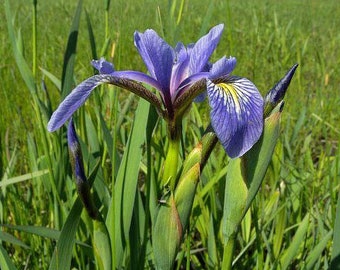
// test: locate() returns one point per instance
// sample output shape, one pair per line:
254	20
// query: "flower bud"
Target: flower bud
277	93
76	159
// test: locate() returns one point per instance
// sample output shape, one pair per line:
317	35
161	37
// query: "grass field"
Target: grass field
291	224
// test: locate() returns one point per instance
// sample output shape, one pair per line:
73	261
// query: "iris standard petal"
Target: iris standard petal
222	67
203	49
74	100
180	69
157	55
236	114
103	66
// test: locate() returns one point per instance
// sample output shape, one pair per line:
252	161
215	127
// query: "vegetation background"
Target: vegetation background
266	37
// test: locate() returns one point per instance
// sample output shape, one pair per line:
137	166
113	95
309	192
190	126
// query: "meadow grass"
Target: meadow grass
291	222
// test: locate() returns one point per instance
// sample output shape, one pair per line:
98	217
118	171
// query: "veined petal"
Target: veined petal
190	81
103	66
180	68
222	67
203	49
236	114
123	79
138	77
74	100
157	55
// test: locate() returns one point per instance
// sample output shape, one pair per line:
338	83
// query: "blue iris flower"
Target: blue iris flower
181	75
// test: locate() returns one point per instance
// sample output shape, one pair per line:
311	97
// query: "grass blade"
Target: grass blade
126	183
52	78
316	253
91	36
11	239
294	246
62	254
69	58
22	65
335	263
5	260
10	181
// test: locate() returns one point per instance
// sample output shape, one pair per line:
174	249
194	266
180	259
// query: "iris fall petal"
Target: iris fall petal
74	100
236	114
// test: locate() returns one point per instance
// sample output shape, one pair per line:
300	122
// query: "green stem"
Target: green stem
228	253
171	163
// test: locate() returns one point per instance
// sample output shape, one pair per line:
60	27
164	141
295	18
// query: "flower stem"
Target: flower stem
171	164
228	253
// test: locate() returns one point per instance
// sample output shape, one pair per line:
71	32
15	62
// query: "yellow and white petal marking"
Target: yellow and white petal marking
236	114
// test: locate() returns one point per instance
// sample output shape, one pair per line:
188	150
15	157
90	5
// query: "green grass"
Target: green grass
292	218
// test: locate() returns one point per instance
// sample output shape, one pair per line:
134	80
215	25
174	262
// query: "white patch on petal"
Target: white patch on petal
236	113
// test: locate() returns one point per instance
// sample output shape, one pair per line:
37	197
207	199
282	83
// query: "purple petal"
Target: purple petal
189	81
74	100
139	77
203	49
222	67
157	55
104	67
180	69
236	114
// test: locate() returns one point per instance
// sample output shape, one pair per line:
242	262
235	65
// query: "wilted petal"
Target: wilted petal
158	56
203	49
236	114
103	66
222	67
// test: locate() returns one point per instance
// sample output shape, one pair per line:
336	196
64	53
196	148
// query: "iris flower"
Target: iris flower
180	75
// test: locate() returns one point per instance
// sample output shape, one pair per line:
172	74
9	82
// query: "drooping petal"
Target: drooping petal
157	55
74	100
103	66
78	96
222	67
236	114
203	49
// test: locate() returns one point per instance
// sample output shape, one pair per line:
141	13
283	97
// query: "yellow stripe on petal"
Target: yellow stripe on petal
231	91
236	113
